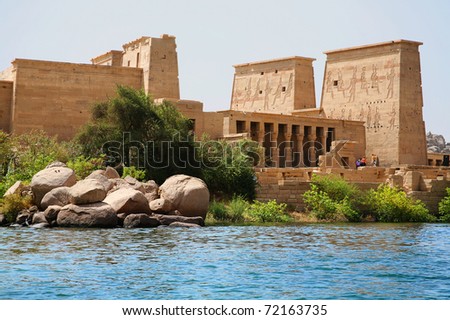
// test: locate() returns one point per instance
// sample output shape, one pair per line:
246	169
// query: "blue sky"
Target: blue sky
214	35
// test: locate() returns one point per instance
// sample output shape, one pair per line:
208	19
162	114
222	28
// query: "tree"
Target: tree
132	130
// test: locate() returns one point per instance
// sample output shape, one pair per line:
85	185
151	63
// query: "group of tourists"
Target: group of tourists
362	162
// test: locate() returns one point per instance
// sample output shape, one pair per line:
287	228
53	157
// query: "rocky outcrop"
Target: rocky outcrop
140	220
436	143
104	200
57	197
188	195
98	215
128	200
49	179
87	191
16	188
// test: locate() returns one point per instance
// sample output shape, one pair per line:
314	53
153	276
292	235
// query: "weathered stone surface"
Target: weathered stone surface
128	200
111	173
161	206
188	195
140	220
169	219
135	184
87	191
2	219
39	217
49	179
14	189
151	190
183	225
51	213
56	197
96	175
95	215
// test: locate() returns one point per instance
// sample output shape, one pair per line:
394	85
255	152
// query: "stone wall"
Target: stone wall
278	86
287	185
6	93
379	84
57	97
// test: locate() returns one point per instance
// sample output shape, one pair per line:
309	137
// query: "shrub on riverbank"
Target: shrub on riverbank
333	199
393	205
239	210
13	204
444	208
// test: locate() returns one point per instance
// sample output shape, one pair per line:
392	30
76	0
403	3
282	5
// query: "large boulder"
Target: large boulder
56	197
140	220
16	188
87	191
111	173
128	200
95	215
100	177
189	195
39	217
51	213
49	179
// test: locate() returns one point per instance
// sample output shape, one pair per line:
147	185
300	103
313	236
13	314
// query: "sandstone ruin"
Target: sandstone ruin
371	105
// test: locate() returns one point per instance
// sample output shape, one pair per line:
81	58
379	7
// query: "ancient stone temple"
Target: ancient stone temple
379	84
371	100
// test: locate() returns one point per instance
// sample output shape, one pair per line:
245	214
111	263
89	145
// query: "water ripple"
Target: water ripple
330	261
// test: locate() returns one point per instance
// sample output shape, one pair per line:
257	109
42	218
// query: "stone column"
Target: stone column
288	150
274	152
323	141
312	150
299	150
262	155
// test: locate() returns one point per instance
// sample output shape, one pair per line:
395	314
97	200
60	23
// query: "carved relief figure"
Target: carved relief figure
341	82
374	78
256	93
361	114
329	84
377	118
248	92
392	116
289	88
352	86
390	88
364	84
277	92
266	95
369	118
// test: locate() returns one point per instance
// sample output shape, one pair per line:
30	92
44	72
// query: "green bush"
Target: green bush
134	172
236	209
332	198
83	166
218	210
13	204
393	205
228	167
444	208
268	212
28	154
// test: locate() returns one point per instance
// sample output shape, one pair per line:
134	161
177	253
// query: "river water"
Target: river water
312	261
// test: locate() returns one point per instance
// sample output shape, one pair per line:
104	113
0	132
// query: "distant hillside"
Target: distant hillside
436	143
